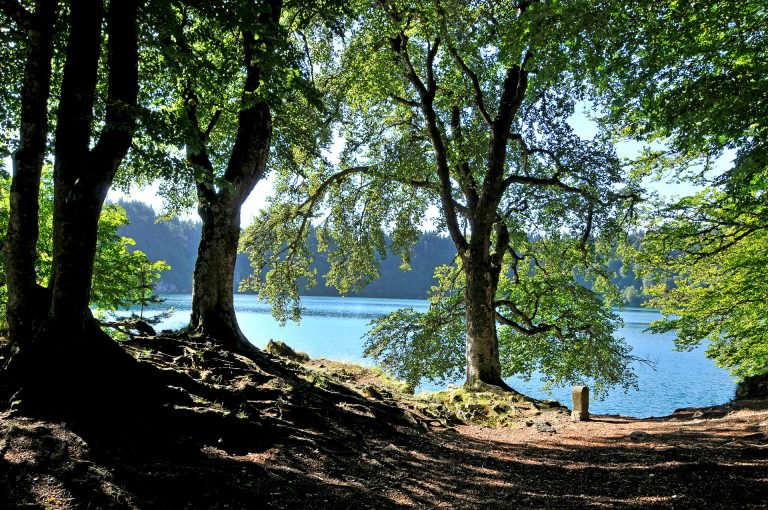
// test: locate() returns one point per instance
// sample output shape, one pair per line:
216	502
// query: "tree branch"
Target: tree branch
427	95
407	102
467	182
123	89
479	100
588	226
14	10
312	199
431	54
212	124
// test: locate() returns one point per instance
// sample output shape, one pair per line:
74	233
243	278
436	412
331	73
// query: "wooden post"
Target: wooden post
580	403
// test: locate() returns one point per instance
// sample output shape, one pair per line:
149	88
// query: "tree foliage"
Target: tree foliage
708	265
122	276
572	340
693	75
465	108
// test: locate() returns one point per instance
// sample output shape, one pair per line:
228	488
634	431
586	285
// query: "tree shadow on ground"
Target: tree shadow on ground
239	432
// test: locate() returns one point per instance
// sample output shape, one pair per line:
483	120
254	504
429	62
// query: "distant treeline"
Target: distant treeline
175	241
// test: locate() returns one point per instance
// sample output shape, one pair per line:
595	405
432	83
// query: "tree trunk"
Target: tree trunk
94	378
82	176
483	365
25	300
213	308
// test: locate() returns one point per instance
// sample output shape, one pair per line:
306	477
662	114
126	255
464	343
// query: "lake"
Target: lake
333	328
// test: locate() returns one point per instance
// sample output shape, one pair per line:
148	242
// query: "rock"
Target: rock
371	392
697	414
545	427
280	348
529	423
755	386
638	435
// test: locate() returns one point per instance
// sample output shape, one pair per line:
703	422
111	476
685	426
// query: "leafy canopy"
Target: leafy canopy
708	265
560	208
694	76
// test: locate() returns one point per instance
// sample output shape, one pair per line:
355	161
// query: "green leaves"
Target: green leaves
122	277
708	269
460	108
549	325
693	75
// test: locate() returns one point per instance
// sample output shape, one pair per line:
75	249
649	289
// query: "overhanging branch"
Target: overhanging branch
16	12
479	100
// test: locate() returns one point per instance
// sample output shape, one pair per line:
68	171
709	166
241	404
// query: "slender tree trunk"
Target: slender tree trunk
26	301
213	308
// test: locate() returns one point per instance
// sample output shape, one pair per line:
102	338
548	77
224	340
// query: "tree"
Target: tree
234	67
122	276
464	107
56	336
82	175
36	29
697	82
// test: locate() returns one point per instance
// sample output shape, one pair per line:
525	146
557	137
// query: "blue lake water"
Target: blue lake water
333	328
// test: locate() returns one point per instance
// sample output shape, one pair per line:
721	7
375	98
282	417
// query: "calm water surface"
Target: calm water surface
333	328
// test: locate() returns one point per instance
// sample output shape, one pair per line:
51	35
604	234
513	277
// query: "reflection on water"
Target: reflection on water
333	328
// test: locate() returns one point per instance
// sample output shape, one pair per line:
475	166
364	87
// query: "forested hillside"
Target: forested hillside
175	241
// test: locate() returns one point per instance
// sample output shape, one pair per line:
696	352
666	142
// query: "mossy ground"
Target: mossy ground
452	406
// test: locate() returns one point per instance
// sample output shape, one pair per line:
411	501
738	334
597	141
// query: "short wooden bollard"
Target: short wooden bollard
580	403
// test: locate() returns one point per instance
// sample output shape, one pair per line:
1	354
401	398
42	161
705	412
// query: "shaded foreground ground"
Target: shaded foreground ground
274	433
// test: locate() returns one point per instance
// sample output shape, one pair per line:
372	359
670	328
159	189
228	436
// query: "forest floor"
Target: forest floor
273	432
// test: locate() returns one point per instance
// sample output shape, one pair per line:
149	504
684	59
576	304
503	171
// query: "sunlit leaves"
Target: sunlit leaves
122	276
709	268
570	336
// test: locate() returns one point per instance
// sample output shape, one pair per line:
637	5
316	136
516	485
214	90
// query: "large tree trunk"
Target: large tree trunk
482	350
213	308
26	302
76	205
82	176
94	379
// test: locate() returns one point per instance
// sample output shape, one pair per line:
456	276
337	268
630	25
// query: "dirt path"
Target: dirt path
303	440
717	461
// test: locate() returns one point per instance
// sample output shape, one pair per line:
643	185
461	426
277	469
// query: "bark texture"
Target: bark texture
213	310
483	365
25	300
